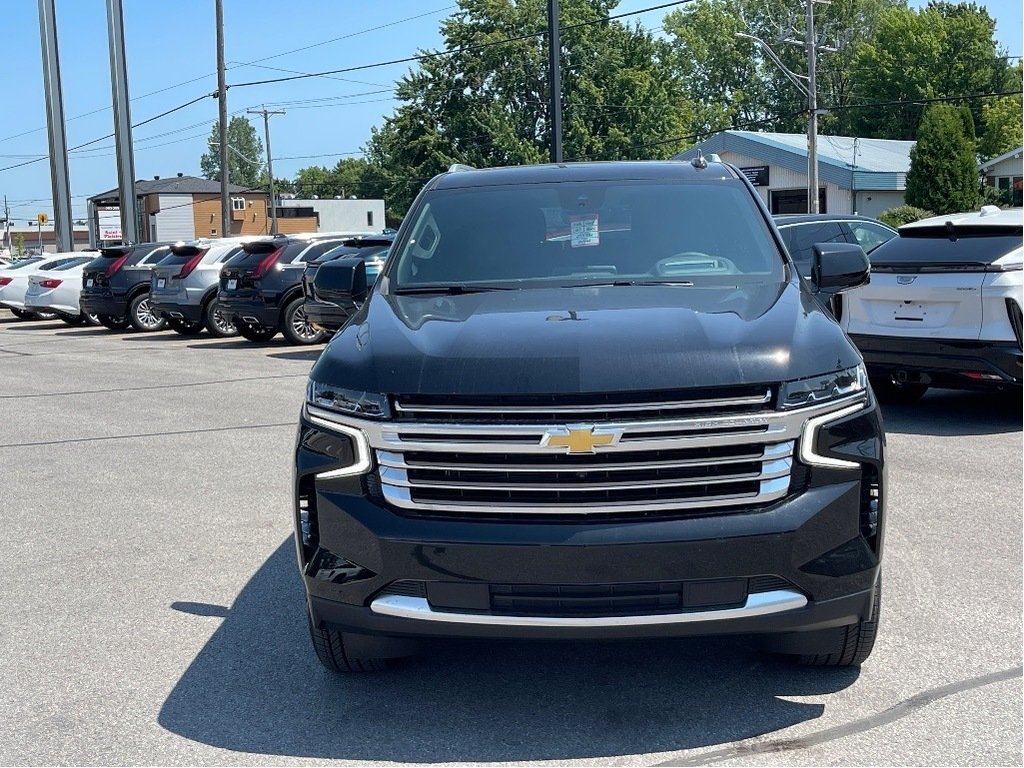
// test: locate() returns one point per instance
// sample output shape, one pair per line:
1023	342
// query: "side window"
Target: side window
317	250
228	254
869	236
156	255
237	203
804	236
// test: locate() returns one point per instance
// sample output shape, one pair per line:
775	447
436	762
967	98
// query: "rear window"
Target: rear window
573	233
316	250
933	247
155	255
229	254
244	258
72	263
22	264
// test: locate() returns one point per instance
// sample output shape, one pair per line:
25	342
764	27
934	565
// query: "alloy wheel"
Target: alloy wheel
146	316
302	327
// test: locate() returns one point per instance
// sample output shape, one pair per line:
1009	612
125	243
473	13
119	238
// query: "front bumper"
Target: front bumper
372	568
943	362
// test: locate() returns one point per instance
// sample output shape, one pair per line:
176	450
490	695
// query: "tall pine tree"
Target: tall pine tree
943	175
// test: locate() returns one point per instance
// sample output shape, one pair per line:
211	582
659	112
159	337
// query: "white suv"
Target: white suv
943	307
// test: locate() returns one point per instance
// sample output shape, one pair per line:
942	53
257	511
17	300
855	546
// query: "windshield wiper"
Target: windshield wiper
590	283
449	290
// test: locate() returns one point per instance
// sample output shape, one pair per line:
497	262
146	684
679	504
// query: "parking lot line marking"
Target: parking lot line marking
99	438
153	386
896	712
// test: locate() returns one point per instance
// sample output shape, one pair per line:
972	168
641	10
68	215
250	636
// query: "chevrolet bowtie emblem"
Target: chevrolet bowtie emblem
579	438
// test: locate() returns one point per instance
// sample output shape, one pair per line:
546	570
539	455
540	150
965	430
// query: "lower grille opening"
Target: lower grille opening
870	506
506	498
588	600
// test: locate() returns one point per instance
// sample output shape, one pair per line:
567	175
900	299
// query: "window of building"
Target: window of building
1010	188
369	218
237	203
794	201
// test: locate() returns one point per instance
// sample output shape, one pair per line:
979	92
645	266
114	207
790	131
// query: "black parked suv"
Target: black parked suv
321	304
115	286
261	288
591	401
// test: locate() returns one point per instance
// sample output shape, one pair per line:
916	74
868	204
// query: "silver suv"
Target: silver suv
184	286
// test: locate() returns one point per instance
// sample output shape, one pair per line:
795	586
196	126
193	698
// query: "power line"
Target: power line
465	49
110	135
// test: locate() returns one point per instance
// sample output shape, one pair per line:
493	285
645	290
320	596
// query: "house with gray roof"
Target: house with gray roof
855	175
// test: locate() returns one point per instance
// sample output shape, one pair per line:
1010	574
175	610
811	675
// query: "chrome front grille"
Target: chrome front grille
709	456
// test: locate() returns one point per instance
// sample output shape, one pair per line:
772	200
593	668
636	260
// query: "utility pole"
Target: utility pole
812	108
7	228
555	80
810	90
270	162
127	201
222	103
59	179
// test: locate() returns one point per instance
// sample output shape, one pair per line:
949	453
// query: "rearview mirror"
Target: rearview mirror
341	280
839	267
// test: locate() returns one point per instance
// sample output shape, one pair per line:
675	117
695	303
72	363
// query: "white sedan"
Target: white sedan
14	283
59	290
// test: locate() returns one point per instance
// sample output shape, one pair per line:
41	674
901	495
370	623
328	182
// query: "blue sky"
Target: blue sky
173	42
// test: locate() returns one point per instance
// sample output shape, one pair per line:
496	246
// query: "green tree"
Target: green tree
730	80
19	244
351	177
943	173
940	51
245	155
488	106
1001	121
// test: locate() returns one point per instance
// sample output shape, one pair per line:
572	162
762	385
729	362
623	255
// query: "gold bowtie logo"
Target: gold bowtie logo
581	439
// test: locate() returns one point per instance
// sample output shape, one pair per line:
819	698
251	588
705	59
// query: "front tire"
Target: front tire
850	645
141	315
72	319
296	326
332	649
112	322
888	390
217	321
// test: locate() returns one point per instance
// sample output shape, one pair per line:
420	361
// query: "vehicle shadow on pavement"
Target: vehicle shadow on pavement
257	687
948	412
309	355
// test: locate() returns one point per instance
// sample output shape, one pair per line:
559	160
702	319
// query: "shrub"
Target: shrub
903	214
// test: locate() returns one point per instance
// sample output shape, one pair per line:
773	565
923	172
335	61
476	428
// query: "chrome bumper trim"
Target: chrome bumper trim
758	604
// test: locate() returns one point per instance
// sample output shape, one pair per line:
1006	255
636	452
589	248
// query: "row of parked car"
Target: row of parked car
943	307
254	287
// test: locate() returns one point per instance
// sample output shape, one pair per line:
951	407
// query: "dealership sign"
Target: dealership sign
757	174
109	220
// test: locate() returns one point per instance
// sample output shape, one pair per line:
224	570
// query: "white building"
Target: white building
339	214
1006	173
865	176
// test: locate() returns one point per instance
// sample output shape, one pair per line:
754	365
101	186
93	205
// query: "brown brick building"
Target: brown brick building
186	208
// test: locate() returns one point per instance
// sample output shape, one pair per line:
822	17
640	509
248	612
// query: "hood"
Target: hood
585	340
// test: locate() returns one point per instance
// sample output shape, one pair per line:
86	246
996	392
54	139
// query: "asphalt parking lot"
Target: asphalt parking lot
152	611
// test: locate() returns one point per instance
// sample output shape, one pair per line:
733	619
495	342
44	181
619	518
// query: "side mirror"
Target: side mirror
838	267
341	281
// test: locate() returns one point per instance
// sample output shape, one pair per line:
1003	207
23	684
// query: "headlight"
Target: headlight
368	405
819	389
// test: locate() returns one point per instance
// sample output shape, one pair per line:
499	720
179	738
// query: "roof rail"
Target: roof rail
455	167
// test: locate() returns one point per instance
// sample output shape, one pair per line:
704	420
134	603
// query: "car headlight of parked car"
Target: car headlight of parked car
366	405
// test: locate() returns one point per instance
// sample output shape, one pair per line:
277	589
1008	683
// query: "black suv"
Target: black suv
592	401
261	288
115	286
321	305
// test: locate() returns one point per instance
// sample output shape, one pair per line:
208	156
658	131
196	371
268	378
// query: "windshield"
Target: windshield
580	233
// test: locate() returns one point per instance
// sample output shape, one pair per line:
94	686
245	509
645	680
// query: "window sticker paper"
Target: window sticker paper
584	231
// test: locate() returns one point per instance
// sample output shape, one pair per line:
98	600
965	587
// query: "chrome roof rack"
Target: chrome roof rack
455	167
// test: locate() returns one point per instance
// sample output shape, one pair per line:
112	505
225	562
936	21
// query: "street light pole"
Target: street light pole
60	183
222	104
270	162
